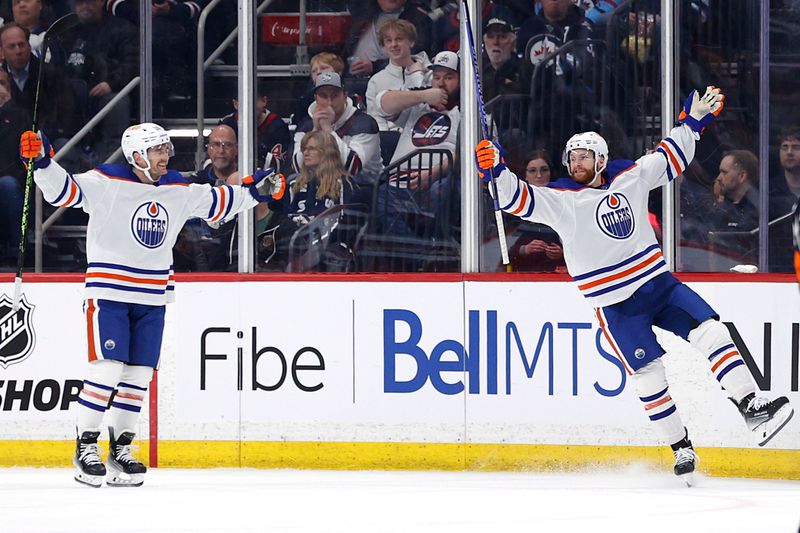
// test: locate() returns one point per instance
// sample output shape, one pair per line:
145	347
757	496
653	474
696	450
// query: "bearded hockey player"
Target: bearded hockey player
613	256
135	213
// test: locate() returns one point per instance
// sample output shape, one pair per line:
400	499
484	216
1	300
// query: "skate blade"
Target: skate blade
688	479
770	428
91	481
116	478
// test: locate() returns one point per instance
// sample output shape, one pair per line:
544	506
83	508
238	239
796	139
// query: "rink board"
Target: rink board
443	374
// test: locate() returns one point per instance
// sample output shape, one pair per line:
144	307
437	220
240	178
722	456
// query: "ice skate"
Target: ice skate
765	418
90	469
685	460
124	470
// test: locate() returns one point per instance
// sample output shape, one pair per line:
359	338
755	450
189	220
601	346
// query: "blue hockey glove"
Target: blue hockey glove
489	156
272	183
698	112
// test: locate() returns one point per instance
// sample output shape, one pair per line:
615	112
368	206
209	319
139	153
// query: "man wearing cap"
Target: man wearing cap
430	117
503	72
355	132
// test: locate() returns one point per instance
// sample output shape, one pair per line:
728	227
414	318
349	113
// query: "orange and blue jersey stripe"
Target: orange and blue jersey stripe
645	265
522	202
725	359
71	195
659	405
221	203
676	161
127	278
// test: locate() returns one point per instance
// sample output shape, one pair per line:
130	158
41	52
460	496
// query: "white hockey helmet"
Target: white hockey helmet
140	137
587	140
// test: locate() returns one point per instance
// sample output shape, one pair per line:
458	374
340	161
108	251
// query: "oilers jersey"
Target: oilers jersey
609	246
133	226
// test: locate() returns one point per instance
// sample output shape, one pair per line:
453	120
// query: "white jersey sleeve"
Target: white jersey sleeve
537	204
62	189
670	158
220	203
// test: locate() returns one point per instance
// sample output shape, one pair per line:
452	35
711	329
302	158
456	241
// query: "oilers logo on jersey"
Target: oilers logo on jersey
615	217
149	224
430	129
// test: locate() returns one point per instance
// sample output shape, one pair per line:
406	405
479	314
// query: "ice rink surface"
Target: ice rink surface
223	500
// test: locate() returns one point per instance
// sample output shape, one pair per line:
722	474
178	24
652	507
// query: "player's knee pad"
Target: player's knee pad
650	379
710	336
105	372
136	375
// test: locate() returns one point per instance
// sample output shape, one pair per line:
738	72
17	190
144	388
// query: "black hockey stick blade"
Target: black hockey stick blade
70	20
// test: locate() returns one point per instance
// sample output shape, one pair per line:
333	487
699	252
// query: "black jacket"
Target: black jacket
108	51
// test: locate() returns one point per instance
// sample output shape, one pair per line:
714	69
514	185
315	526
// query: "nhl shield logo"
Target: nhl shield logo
17	338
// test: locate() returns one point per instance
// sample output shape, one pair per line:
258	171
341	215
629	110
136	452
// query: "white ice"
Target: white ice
228	500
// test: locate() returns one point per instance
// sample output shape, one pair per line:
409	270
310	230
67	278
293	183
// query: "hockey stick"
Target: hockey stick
57	28
498	213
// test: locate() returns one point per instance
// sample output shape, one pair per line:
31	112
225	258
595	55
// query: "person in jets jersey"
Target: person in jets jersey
611	251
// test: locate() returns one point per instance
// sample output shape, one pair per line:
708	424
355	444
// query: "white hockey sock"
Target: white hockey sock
131	393
96	392
714	341
651	385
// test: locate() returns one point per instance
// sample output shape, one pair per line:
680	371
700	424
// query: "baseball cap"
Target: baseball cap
331	79
504	25
444	59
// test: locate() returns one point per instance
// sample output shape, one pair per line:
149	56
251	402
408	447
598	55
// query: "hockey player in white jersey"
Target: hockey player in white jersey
136	212
613	256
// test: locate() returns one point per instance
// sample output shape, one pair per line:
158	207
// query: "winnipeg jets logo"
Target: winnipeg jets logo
615	217
17	337
430	129
541	46
149	224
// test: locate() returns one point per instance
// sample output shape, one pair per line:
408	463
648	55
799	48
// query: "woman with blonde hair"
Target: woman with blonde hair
322	181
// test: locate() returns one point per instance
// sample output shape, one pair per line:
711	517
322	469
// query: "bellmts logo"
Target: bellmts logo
452	367
615	217
149	224
17	337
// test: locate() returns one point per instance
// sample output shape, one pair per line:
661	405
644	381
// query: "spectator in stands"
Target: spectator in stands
735	204
784	193
733	209
174	42
55	113
321	184
503	72
785	190
28	14
13	121
321	62
273	139
363	45
214	248
404	71
355	132
322	181
538	248
559	22
430	118
102	54
447	21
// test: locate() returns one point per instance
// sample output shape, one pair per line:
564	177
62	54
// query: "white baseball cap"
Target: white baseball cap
445	59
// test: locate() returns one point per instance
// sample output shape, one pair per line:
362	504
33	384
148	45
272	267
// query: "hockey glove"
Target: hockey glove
36	147
272	183
698	112
489	155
